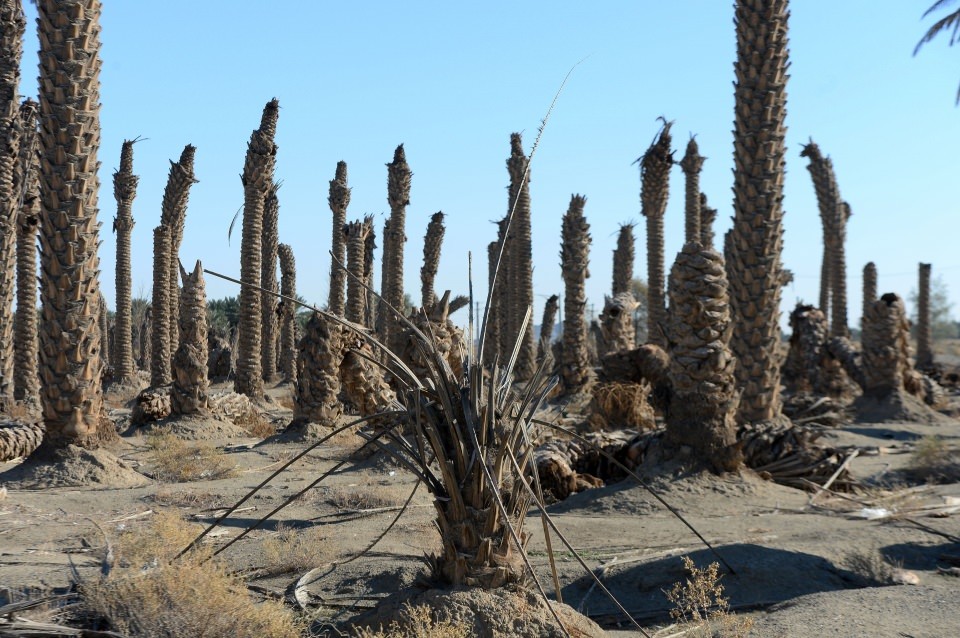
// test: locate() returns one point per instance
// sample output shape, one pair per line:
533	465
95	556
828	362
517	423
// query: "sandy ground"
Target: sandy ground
803	567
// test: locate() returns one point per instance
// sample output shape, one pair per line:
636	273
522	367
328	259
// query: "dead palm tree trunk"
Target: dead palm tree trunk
354	232
838	275
756	239
124	190
160	371
623	257
924	349
103	323
548	324
318	375
190	384
26	382
869	288
394	238
432	243
692	164
501	290
704	401
257	179
338	199
288	315
146	339
491	351
574	264
369	246
70	363
707	217
654	192
885	347
268	281
173	214
828	198
13	24
520	284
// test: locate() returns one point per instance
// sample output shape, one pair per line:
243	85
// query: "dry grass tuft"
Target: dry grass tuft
700	601
175	460
364	497
259	428
418	622
147	594
933	460
871	567
291	550
169	497
621	405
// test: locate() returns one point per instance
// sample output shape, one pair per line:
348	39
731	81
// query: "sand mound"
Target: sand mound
194	427
898	407
73	467
486	614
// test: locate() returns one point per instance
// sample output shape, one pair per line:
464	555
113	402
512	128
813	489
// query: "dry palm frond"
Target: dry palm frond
950	22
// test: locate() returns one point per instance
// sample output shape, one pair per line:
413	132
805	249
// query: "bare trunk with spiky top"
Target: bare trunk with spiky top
70	362
548	324
654	192
623	257
756	239
828	201
103	322
355	234
520	284
869	287
838	275
575	266
491	346
924	340
339	200
13	25
26	383
369	246
288	313
708	216
318	376
257	179
701	372
268	281
124	191
173	214
189	392
432	243
160	372
394	238
885	340
692	164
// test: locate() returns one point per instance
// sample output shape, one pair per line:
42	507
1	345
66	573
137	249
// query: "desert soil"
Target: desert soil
804	567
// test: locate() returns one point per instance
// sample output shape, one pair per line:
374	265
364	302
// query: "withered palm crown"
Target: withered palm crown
692	164
756	239
257	178
26	381
288	315
268	281
623	257
654	191
124	190
394	239
173	214
519	284
70	364
13	24
339	200
432	244
575	264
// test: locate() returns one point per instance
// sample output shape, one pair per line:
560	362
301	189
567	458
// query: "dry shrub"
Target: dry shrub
291	550
172	497
149	594
175	460
870	567
933	460
700	601
364	497
259	428
418	622
621	405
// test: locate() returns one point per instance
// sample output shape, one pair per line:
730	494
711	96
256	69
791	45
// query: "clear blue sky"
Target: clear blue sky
452	80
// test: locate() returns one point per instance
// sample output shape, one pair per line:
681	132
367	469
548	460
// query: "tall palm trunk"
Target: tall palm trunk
654	192
432	244
173	214
103	321
707	216
124	190
394	238
354	233
257	179
13	24
692	164
869	287
623	257
160	371
338	199
491	346
501	291
924	337
520	284
288	316
574	264
839	326
547	324
190	384
756	239
70	363
268	281
369	246
26	382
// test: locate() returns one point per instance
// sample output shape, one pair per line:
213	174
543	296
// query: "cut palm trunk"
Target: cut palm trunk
519	282
708	216
26	381
190	385
124	190
869	287
432	244
160	371
623	256
268	281
288	313
338	200
654	191
617	333
692	164
394	239
574	264
924	339
316	398
547	326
